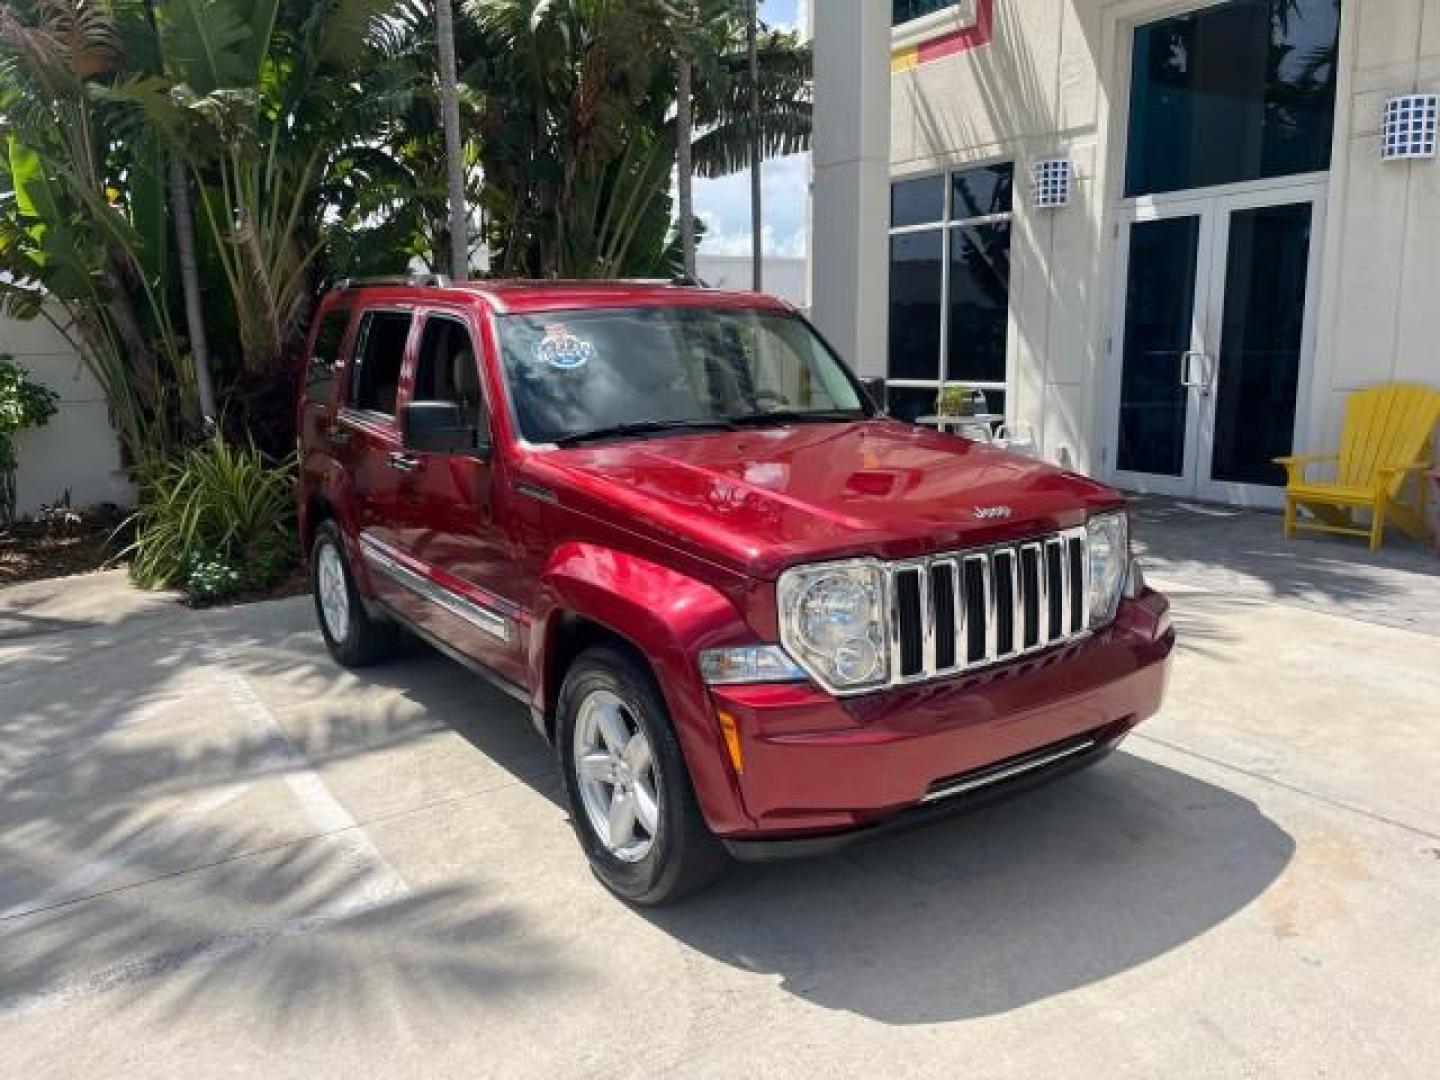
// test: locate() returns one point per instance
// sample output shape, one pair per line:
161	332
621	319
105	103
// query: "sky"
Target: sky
724	204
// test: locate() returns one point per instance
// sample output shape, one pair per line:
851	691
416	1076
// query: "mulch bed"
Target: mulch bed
34	551
38	551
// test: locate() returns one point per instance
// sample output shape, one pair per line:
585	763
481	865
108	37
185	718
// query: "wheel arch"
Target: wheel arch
591	595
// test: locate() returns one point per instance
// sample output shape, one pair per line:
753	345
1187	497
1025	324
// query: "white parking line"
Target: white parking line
320	807
372	881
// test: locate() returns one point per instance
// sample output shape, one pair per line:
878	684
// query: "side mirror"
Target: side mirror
436	427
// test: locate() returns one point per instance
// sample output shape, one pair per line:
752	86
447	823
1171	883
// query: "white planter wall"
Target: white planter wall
77	451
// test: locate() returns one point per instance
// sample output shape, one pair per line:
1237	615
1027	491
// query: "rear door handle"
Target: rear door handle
403	462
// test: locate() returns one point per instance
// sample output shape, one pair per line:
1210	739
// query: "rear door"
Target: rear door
366	437
448	521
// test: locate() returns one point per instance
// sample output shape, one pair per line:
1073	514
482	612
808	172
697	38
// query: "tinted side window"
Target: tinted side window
447	369
325	357
376	380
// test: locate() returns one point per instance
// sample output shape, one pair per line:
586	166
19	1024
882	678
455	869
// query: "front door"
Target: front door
1212	340
448	529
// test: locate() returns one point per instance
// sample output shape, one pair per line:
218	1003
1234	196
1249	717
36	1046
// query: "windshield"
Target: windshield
597	372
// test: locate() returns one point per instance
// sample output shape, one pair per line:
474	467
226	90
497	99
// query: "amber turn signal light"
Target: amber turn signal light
731	731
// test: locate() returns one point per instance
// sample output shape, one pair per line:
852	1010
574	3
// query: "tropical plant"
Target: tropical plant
218	505
23	404
579	117
82	215
405	218
275	106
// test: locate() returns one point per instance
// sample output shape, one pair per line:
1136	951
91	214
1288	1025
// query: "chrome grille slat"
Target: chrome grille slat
1062	563
927	624
1011	584
1053	596
991	623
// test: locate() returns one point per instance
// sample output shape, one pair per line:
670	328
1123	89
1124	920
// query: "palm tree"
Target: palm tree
684	169
752	55
184	215
454	163
581	129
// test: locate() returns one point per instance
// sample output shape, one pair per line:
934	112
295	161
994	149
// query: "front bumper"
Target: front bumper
817	767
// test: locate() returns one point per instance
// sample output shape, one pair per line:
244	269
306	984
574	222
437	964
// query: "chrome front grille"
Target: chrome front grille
955	613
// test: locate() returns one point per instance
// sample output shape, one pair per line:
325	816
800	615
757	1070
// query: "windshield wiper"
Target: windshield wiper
795	416
644	427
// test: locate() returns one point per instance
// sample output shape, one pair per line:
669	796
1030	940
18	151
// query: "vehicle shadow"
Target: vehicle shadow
992	911
1071	884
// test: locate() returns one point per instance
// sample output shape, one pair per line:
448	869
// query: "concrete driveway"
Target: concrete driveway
220	854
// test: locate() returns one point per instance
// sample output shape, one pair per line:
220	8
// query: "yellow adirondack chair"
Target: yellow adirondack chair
1387	436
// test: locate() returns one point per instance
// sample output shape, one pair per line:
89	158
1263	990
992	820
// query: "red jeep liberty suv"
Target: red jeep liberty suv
755	616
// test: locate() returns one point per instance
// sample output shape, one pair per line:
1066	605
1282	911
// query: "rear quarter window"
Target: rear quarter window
324	362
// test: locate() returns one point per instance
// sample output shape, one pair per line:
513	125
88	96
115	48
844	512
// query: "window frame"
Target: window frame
956	15
339	362
411	377
361	336
947	226
1122	130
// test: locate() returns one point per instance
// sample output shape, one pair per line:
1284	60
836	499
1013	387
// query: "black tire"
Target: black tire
683	856
366	640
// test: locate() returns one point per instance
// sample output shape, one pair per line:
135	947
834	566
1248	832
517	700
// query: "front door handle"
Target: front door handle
403	462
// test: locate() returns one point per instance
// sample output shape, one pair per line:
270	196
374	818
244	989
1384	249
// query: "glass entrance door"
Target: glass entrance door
1161	337
1212	340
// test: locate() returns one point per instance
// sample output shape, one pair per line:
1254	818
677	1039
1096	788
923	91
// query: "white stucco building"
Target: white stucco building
1234	254
77	453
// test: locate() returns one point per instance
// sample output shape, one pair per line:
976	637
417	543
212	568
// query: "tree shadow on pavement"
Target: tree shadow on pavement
995	910
1226	549
148	847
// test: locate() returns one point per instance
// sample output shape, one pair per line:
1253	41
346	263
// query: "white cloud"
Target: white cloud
724	205
786	14
720	241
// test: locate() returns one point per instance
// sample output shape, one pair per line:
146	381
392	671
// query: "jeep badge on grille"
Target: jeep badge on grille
991	513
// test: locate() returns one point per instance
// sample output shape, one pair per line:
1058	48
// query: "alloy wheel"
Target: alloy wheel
615	769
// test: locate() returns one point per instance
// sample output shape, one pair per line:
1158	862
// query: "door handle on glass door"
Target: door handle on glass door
1187	370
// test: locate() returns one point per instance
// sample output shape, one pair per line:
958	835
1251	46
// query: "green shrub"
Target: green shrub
217	522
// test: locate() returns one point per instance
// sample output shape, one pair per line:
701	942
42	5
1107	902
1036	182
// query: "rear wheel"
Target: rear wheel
630	797
354	637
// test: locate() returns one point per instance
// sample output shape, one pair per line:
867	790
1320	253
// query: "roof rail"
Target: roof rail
680	281
417	281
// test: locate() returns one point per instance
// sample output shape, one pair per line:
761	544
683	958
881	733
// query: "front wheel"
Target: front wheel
630	797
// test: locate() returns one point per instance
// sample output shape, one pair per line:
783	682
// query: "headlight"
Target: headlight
832	620
748	664
1109	544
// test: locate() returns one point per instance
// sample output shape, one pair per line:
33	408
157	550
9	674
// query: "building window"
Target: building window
950	289
903	11
1241	91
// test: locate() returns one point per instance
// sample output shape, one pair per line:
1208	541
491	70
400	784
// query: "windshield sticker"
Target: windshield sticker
561	349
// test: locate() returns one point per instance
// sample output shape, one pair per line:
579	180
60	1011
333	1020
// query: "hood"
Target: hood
763	500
